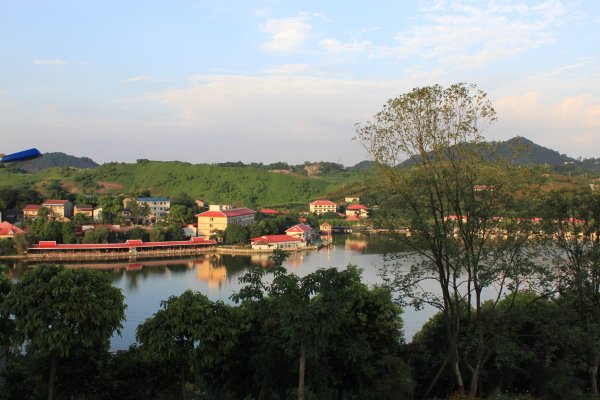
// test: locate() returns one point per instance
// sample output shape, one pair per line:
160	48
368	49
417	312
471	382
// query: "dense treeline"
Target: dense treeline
325	335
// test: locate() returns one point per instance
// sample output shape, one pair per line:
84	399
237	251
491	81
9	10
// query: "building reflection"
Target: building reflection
211	269
355	245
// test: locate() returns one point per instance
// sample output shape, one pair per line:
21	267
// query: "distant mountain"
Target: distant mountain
525	152
522	151
49	160
366	164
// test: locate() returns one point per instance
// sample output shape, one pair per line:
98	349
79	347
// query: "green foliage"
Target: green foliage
191	331
56	308
236	234
347	335
250	186
98	235
7	247
181	214
138	234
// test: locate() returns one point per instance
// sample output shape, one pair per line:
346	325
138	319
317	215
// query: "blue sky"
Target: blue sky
264	81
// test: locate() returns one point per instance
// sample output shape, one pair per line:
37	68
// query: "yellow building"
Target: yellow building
31	211
218	219
323	207
59	209
84	209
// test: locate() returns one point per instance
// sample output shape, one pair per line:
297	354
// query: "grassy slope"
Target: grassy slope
243	186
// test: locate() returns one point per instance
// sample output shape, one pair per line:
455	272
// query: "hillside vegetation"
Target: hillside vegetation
248	185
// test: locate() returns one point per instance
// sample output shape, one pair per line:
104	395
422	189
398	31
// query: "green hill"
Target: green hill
242	185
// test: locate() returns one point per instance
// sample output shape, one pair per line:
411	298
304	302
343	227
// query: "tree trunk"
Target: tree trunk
52	377
301	371
183	389
460	386
475	380
594	375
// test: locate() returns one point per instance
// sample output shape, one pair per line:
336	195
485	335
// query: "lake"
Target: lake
146	283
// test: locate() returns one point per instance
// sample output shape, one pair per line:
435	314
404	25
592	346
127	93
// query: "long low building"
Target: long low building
272	242
129	248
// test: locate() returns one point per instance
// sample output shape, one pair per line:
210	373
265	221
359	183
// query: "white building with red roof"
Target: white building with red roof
322	207
8	230
300	231
272	242
218	219
357	210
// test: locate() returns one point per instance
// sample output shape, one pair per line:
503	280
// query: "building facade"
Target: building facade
321	207
218	219
357	210
59	209
273	242
300	231
159	207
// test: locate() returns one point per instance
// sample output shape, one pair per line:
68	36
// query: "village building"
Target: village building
159	207
357	210
8	230
84	209
352	199
58	209
321	207
217	219
300	231
273	242
97	214
31	211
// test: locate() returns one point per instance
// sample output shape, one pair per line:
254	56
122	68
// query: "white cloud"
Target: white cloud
569	125
287	34
476	33
138	78
281	116
334	46
47	61
287	69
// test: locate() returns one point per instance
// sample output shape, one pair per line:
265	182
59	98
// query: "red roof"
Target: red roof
323	203
129	244
300	228
7	228
32	207
269	211
357	207
56	202
275	239
232	212
353	218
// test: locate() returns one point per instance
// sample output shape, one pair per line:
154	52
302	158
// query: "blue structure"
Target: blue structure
22	155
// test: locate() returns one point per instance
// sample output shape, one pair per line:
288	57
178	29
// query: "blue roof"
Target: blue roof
150	199
22	155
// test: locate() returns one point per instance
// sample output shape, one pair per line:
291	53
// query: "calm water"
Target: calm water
146	283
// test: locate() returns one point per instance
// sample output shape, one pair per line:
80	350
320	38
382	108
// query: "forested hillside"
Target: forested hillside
242	185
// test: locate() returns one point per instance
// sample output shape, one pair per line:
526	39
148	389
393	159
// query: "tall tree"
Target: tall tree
572	220
57	309
314	314
451	201
191	331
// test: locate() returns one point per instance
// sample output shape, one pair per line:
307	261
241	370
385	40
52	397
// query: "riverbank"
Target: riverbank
249	250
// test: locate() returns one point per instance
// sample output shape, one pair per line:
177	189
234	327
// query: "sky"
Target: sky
266	81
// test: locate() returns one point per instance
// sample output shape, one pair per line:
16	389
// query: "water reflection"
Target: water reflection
146	283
